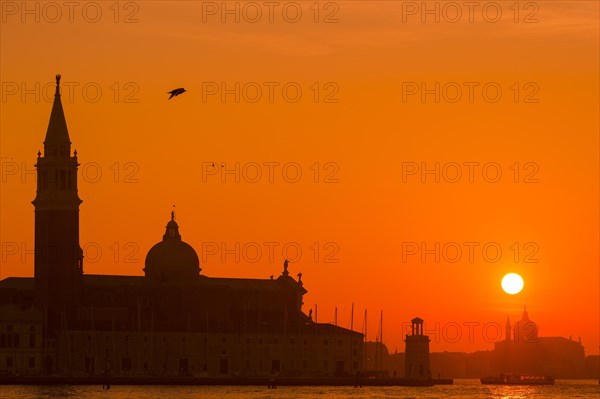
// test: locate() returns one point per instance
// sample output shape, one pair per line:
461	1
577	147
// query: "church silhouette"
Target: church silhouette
172	321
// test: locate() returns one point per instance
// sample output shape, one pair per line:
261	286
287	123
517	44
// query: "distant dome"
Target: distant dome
172	260
525	329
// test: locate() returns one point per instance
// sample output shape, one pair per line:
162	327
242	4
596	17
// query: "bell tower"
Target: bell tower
58	261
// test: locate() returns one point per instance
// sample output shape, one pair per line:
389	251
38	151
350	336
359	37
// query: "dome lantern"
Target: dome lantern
172	260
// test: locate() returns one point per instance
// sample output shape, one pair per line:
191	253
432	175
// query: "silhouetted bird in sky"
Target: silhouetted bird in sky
176	92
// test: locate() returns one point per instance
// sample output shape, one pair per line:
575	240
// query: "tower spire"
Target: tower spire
57	142
57	92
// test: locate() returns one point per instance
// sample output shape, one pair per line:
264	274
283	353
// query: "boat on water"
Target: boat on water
517	379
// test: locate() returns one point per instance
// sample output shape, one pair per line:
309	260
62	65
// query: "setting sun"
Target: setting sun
512	283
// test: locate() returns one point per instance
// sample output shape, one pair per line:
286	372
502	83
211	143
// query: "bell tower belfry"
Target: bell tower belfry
58	264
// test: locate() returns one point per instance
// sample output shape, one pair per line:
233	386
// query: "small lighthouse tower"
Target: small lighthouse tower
417	353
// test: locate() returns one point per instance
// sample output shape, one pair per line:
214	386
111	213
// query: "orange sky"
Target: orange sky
365	216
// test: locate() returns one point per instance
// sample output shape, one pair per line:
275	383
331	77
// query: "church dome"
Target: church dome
525	329
172	260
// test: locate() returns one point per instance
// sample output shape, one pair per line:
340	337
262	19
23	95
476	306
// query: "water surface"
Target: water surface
461	389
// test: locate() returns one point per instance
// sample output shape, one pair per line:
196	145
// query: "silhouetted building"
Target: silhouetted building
21	339
529	353
171	321
592	367
417	352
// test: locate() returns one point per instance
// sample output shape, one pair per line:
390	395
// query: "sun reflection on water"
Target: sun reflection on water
516	392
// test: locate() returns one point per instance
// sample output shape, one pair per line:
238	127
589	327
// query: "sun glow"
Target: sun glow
512	283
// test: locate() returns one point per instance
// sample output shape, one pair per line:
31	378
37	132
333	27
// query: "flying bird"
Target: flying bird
176	92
